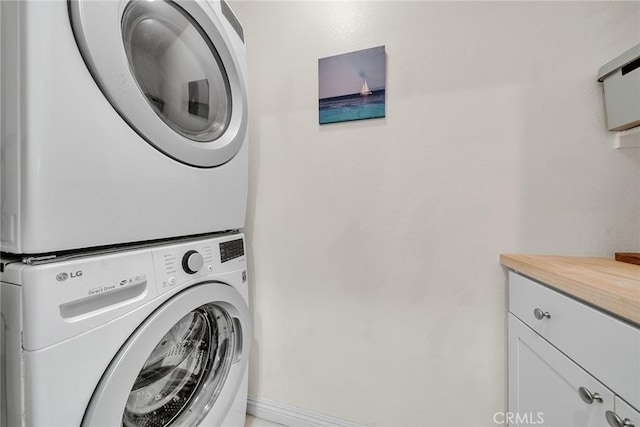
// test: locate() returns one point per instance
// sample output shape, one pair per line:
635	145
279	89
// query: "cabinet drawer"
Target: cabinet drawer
606	347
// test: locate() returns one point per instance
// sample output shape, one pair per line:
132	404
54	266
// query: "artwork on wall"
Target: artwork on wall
351	86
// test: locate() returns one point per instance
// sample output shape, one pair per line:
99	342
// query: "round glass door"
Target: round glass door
174	71
191	360
177	68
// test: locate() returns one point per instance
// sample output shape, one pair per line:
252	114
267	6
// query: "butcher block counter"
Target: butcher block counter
605	283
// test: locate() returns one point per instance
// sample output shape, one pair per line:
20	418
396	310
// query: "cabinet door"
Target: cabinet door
623	416
546	387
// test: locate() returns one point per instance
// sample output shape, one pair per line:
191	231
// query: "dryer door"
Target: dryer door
173	70
182	366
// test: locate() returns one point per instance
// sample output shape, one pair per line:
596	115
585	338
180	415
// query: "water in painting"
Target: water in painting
352	107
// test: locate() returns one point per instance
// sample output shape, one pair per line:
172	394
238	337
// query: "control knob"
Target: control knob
192	262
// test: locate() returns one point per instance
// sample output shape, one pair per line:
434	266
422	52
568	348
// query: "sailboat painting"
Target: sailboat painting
351	86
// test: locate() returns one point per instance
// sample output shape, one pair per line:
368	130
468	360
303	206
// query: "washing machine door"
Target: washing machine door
173	70
182	367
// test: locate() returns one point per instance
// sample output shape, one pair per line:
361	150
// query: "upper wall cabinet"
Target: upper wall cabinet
621	78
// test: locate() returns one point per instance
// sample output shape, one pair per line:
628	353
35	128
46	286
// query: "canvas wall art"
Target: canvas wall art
351	86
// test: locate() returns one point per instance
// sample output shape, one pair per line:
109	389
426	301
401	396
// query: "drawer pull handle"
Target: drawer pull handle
540	314
615	421
589	397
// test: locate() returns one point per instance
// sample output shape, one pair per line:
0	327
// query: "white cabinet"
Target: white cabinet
569	364
623	415
544	384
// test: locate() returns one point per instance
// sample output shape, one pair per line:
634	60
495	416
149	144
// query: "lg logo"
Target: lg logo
61	277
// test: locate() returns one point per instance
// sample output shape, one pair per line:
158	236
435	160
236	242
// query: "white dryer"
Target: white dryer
122	121
154	336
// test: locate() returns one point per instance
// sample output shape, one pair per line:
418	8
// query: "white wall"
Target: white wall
377	292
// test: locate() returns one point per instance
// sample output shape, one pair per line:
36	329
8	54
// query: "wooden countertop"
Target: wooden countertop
603	282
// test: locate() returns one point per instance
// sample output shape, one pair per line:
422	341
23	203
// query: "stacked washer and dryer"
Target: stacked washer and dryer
124	186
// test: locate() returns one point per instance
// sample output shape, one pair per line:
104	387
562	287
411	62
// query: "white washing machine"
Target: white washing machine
121	121
154	336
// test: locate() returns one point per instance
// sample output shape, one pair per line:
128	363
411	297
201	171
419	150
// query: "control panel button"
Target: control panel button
172	280
192	262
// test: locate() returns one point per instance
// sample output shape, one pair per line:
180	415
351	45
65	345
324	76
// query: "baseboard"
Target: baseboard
288	415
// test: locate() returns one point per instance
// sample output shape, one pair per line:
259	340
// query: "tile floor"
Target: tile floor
259	422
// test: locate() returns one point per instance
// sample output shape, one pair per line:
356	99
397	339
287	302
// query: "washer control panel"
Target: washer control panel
74	295
185	262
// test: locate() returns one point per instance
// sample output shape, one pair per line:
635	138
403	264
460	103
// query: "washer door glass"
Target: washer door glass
177	68
192	359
